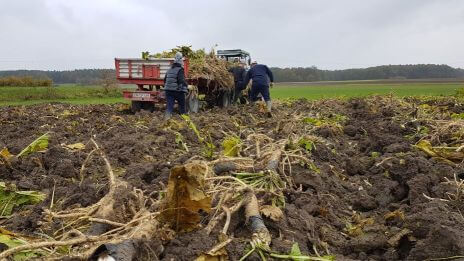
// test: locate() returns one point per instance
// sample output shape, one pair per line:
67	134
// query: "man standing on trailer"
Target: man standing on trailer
175	86
239	73
261	75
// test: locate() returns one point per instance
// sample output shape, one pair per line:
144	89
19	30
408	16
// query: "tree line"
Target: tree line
416	71
82	77
307	74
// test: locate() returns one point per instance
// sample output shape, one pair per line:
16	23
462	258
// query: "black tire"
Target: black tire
136	106
224	100
148	106
192	103
211	100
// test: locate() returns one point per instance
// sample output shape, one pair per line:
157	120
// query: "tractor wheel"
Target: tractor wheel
136	106
211	100
192	102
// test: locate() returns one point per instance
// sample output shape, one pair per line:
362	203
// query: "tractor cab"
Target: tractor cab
231	55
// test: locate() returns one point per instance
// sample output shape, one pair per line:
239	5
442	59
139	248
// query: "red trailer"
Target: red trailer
148	74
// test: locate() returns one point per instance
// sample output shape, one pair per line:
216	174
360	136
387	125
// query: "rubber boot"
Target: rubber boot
269	107
167	116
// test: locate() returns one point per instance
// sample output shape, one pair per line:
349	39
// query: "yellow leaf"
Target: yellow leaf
231	146
5	154
3	231
360	223
313	121
425	146
186	197
75	146
448	153
67	113
395	214
272	212
117	118
218	256
124	107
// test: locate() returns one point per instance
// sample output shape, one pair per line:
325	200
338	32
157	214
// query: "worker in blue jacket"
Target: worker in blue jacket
262	78
175	86
239	73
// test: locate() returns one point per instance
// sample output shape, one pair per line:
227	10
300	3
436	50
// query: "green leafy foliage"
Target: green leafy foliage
460	93
40	144
420	132
314	168
186	51
208	146
457	116
10	198
333	119
306	144
339	118
231	146
269	181
192	126
313	121
180	141
296	255
196	57
11	241
295	252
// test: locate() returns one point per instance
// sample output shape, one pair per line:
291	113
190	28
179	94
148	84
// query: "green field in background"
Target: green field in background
104	100
97	95
282	91
74	94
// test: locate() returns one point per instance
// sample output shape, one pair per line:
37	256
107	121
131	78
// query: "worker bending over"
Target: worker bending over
175	86
261	75
239	73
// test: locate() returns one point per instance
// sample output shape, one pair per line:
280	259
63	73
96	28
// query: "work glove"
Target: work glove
272	84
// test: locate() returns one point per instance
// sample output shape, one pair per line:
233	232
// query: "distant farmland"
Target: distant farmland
314	90
318	90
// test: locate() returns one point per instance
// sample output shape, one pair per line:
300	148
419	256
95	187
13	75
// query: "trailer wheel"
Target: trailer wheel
193	103
148	106
225	99
136	106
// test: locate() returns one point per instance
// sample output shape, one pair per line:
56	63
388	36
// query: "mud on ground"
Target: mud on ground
370	194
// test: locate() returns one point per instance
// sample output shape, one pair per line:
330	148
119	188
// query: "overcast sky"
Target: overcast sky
330	34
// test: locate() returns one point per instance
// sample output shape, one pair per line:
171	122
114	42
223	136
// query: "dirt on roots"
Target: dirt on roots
369	193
